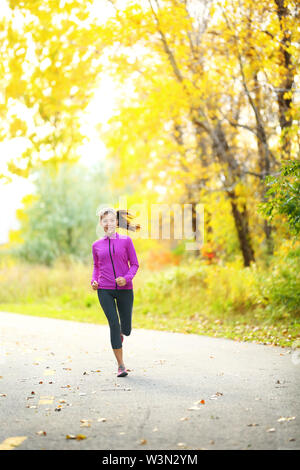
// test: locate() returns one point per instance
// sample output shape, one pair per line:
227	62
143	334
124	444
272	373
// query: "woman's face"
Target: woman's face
109	223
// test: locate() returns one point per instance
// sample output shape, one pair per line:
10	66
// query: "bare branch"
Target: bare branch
165	45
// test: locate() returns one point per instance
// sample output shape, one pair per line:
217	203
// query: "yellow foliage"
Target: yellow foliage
14	237
48	52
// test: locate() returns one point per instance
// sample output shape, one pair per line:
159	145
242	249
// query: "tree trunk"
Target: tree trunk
264	165
242	227
284	99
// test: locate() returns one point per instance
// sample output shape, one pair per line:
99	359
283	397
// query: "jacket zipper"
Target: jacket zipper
112	262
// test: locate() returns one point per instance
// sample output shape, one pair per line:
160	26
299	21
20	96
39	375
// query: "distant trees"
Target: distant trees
59	220
208	109
214	108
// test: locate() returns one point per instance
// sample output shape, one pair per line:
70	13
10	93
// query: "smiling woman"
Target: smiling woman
112	277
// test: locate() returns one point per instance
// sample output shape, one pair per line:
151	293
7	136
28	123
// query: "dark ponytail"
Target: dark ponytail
124	218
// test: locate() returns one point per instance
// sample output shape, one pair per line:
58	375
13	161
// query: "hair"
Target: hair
124	218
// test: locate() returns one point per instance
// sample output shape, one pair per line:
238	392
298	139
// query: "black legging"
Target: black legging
124	300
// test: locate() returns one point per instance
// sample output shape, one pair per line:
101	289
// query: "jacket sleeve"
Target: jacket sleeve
134	264
96	266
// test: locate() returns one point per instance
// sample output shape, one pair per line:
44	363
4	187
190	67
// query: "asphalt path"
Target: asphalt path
59	390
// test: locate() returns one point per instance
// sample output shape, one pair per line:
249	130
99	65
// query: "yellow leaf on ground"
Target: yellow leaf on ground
49	372
46	400
85	423
11	442
181	444
78	437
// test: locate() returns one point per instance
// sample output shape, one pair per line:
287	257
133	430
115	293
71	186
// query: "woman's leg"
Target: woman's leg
119	356
108	305
125	304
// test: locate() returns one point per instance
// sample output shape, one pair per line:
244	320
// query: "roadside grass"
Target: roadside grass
244	304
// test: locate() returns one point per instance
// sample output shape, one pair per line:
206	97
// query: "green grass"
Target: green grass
244	304
246	327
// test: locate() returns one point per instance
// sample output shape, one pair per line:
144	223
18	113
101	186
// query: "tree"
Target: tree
201	73
59	220
285	189
50	55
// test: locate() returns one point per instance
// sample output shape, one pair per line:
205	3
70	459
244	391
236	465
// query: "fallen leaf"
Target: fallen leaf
49	372
3	395
181	444
11	442
199	402
286	419
253	424
143	442
271	430
85	423
78	437
41	433
184	419
46	400
101	420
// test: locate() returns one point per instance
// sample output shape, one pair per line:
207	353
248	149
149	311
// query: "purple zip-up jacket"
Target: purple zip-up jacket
111	256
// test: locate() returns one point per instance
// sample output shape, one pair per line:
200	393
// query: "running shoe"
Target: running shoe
122	372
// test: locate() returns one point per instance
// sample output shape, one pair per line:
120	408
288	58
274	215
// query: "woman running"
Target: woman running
112	278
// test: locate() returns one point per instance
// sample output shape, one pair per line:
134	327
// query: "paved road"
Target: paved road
249	392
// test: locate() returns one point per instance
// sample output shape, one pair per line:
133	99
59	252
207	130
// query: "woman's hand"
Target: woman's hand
95	285
121	281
